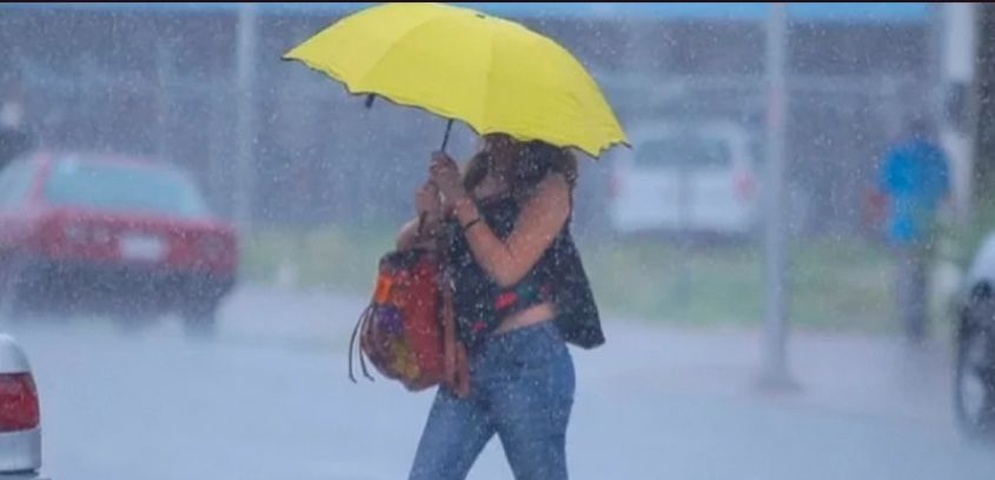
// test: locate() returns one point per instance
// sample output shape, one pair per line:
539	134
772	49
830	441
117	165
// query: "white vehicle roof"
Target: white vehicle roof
12	358
662	128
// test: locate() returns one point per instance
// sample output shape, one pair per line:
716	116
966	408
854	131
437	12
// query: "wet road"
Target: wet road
269	398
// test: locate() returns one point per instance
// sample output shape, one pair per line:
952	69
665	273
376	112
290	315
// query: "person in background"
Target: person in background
915	180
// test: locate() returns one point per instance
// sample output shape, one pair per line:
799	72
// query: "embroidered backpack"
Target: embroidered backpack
408	330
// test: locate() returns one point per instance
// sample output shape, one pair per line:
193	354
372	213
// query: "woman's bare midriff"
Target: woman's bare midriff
530	316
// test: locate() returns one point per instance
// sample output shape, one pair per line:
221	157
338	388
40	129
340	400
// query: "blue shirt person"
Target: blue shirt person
915	176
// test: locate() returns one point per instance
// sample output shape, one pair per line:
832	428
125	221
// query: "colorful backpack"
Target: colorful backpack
408	330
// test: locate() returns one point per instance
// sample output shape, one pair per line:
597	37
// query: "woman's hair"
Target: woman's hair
534	161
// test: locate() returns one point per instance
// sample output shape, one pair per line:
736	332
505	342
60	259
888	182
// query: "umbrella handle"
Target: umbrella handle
445	139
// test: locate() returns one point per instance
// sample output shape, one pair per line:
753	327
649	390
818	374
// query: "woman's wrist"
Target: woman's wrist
466	226
464	210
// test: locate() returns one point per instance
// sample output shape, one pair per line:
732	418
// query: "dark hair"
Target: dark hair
535	160
919	126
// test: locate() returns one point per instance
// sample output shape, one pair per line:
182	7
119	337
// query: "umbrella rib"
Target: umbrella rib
488	78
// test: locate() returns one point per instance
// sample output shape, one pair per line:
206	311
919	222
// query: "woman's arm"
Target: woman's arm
539	222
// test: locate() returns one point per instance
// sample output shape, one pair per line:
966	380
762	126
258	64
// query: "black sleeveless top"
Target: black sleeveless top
559	276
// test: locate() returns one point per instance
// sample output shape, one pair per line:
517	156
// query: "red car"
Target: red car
118	235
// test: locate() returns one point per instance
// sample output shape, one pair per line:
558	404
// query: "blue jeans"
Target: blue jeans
522	388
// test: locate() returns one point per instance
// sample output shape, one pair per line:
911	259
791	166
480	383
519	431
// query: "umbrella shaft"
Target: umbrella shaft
445	139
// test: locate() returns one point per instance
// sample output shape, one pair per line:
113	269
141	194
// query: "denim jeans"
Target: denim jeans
522	389
912	290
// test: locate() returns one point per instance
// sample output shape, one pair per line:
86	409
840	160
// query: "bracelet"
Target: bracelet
470	224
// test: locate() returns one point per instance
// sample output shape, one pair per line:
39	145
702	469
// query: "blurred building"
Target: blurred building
159	79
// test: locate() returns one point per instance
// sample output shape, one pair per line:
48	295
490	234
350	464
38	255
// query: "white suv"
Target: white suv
686	177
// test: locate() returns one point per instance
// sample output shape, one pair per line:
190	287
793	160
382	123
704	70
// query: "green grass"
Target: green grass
330	258
839	286
966	238
833	285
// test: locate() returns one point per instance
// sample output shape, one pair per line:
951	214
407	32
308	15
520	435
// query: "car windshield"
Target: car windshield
124	188
688	151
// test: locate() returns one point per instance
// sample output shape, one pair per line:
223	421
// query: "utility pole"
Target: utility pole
245	85
958	101
164	64
775	373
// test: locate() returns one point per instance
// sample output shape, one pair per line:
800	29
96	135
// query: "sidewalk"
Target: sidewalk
848	374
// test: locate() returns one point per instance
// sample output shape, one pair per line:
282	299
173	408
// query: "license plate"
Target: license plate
146	248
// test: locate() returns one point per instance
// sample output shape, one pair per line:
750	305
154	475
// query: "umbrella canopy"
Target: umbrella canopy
495	75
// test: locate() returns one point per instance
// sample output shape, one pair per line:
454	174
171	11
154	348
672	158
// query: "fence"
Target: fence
321	158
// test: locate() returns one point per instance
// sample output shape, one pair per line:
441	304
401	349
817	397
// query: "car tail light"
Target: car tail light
212	247
745	185
18	402
75	233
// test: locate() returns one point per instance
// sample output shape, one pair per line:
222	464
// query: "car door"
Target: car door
724	189
648	189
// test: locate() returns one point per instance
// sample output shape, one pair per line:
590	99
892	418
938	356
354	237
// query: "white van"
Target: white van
698	178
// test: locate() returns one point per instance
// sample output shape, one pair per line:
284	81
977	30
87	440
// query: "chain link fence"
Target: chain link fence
164	86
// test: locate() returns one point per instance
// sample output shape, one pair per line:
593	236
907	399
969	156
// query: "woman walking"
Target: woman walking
521	295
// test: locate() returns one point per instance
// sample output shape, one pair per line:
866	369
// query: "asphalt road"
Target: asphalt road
268	398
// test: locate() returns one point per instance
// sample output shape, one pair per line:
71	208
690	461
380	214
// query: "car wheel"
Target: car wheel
200	318
974	376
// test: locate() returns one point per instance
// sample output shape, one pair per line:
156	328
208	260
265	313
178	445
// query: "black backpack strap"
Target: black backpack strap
363	319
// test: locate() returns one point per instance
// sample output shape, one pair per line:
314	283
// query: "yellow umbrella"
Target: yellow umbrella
494	75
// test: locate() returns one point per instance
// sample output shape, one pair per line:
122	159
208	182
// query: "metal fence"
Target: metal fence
838	127
320	157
